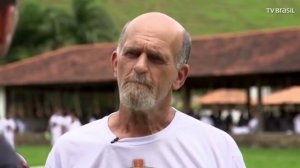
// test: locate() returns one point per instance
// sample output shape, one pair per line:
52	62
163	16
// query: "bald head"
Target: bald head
163	26
156	21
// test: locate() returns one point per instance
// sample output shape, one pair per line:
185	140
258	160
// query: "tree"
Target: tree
92	22
43	28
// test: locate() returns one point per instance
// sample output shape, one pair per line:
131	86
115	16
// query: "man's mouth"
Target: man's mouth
140	83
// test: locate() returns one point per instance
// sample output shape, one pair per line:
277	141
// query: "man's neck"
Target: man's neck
126	124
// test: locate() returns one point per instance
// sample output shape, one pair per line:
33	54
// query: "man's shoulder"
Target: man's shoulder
191	124
203	135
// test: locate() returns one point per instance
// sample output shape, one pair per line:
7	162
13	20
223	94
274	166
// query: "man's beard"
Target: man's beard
137	94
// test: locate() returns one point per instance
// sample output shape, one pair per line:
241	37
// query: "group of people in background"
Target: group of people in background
60	122
282	121
63	121
248	123
225	120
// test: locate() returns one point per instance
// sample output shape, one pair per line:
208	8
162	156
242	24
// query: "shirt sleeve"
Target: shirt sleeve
54	159
236	155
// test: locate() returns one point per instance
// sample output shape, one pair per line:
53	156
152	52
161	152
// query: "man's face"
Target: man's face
146	68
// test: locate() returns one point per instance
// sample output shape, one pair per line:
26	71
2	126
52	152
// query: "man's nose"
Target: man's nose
141	65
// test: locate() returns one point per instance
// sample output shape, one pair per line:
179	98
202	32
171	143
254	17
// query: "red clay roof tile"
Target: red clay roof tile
259	52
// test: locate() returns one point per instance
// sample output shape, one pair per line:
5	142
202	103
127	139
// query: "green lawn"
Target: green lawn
271	158
254	157
35	155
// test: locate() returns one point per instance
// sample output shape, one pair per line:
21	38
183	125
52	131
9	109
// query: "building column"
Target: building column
2	102
259	108
249	100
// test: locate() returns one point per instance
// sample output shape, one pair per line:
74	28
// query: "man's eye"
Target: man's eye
156	59
132	54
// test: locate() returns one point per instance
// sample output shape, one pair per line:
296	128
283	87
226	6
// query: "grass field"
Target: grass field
254	157
35	155
271	158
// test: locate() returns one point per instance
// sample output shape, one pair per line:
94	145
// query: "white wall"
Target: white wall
265	90
2	102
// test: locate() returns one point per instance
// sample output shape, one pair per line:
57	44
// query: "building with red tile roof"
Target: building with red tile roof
240	60
224	97
290	95
265	54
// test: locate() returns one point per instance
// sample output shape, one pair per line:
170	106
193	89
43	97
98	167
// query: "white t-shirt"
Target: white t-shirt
184	143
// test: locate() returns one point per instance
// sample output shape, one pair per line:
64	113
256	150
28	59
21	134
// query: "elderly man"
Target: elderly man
149	63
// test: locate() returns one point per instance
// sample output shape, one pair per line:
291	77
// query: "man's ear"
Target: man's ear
181	77
114	62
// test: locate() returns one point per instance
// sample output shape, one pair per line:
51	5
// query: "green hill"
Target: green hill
202	16
40	31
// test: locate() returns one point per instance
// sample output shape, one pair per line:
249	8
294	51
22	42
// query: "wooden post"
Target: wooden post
259	110
249	102
77	103
186	98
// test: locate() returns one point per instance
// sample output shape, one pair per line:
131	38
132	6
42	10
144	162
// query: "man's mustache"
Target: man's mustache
141	79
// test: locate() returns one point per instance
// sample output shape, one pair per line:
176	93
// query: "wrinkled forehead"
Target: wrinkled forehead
156	25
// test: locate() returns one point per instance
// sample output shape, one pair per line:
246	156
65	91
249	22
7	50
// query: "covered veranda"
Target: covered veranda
244	60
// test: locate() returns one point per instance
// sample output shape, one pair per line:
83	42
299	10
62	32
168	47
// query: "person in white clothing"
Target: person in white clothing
207	119
75	122
296	121
9	129
250	128
70	121
149	63
56	125
67	121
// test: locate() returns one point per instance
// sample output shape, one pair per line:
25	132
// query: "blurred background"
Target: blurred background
245	73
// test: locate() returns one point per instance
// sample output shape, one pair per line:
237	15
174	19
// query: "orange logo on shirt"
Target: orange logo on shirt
139	163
